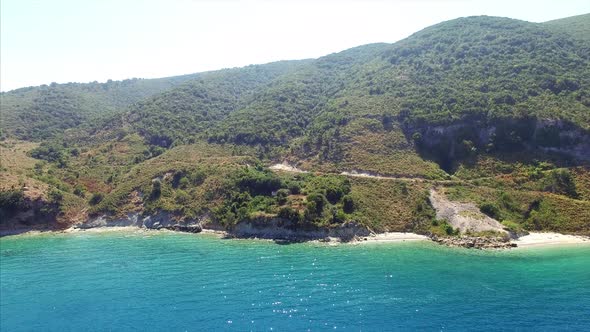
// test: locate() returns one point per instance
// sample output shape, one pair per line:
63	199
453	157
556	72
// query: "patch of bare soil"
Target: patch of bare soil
464	216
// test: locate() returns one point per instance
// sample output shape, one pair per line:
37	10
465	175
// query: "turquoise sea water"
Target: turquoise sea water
172	281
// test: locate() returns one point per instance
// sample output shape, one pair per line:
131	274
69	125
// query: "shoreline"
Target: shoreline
391	237
532	240
549	239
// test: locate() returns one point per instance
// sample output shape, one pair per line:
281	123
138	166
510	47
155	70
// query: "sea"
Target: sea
166	281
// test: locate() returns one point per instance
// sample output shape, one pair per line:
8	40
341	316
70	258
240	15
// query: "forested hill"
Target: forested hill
576	26
36	113
483	67
497	108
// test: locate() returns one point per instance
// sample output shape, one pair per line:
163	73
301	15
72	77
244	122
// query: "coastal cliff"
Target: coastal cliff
262	228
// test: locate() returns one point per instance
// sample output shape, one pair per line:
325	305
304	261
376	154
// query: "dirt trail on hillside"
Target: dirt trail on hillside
287	168
354	173
360	174
464	216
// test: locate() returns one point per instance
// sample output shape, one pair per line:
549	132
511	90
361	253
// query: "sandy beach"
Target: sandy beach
528	241
392	237
549	239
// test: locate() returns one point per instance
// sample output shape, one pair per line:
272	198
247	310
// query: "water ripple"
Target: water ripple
170	281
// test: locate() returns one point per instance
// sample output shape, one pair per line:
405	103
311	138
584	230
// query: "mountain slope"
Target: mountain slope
491	111
576	26
482	67
37	113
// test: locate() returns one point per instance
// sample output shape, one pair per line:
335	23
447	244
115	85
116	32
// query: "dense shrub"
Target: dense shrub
258	182
79	191
182	197
348	204
561	182
96	198
491	210
315	206
338	215
282	196
156	189
51	153
289	214
10	202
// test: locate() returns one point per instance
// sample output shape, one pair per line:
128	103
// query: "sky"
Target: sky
83	41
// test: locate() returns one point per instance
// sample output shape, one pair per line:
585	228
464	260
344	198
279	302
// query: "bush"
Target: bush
513	227
79	191
542	216
449	230
182	197
347	204
561	182
177	178
184	182
10	202
289	214
335	193
490	210
55	196
258	182
338	216
333	187
96	198
315	206
51	153
282	196
295	188
442	228
156	189
197	177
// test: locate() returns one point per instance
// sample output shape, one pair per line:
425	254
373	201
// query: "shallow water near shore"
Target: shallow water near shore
136	280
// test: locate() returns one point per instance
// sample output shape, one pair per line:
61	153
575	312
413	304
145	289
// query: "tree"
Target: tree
315	206
282	196
156	189
96	198
347	204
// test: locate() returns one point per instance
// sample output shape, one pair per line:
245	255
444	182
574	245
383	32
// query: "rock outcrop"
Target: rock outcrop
475	242
281	229
465	217
261	227
160	220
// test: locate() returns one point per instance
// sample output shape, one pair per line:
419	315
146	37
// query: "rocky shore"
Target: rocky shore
280	230
276	229
161	220
475	242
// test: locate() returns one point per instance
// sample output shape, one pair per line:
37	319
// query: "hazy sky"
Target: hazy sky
82	41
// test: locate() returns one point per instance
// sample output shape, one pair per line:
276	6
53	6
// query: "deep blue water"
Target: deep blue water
170	281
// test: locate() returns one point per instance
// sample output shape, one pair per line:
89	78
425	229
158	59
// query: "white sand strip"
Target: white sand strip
549	239
392	237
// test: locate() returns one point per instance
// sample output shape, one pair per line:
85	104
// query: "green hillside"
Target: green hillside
576	26
482	70
37	113
488	110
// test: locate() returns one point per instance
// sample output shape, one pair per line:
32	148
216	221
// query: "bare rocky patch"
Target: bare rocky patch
465	217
